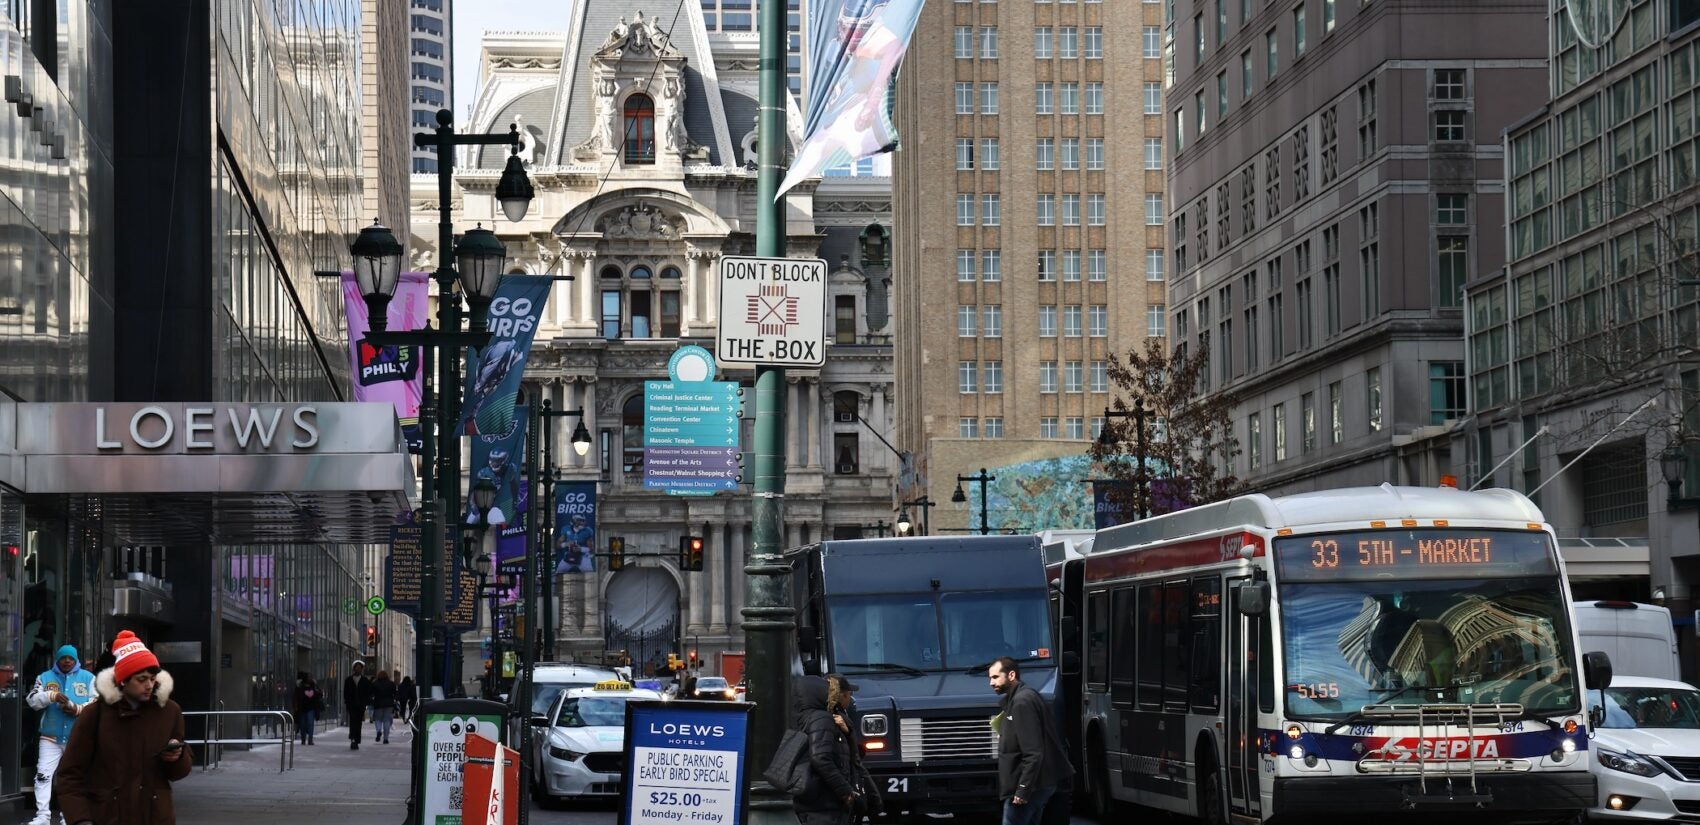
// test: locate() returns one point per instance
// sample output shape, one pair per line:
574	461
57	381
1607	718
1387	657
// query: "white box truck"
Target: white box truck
1638	637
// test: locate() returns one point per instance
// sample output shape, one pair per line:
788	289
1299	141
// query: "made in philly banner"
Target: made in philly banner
493	372
857	45
389	373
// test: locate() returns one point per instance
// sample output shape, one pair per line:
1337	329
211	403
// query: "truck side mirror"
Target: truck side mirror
1596	670
1252	598
1070	663
1596	717
808	650
1067	628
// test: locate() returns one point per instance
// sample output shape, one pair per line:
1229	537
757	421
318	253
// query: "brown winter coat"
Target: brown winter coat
111	773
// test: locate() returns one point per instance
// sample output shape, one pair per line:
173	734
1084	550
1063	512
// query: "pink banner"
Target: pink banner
389	373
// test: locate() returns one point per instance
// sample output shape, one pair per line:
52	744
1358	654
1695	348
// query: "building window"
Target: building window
964	264
1045	211
1307	422
1366	120
1254	441
994	427
1154	209
964	210
994	376
991	265
1070	154
640	129
965	98
991	210
967	428
1153	98
1201	122
1451	209
964	154
1068	43
1245	74
989	43
1048	427
1099	377
1095	209
1305	300
1154	315
1047	322
967	377
1071	265
1047	376
846	453
1327	17
988	98
1074	377
1094	46
1278	419
844	404
1070	210
1372	385
844	318
1197	40
1098	320
1154	263
631	434
1153	43
1153	153
1448	84
1071	321
1336	428
1094	97
1221	95
1042	98
1074	428
966	319
1272	61
1045	154
964	42
1369	259
1068	98
1445	391
611	313
1448	126
1097	269
1094	154
1042	43
1047	264
991	317
1299	32
1452	267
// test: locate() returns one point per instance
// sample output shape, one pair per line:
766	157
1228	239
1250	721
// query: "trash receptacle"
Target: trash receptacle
439	753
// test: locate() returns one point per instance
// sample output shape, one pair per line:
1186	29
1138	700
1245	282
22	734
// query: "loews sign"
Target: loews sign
214	428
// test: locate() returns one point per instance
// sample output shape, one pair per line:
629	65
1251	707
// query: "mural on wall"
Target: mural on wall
1046	494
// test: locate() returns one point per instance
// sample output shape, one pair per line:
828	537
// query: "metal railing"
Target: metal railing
215	740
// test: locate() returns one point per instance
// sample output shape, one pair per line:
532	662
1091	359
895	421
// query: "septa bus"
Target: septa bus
1347	652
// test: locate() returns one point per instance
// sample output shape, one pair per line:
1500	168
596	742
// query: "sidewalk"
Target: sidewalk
330	783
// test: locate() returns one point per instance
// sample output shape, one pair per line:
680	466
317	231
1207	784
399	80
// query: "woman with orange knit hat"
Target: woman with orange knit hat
131	740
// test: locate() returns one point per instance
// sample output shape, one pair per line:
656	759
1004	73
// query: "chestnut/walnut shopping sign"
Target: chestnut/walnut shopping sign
772	312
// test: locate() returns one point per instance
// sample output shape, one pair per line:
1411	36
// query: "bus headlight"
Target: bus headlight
1298	752
874	724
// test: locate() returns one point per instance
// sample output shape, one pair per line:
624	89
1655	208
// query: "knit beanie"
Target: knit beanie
132	657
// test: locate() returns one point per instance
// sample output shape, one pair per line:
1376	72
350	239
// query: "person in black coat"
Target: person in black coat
356	695
1031	760
829	797
309	702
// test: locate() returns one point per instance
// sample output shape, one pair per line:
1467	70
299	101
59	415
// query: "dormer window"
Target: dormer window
640	129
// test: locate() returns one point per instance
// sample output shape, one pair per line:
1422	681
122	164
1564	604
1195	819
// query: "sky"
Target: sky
474	17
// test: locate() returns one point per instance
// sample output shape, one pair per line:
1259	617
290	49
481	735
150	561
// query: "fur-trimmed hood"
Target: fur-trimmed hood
107	687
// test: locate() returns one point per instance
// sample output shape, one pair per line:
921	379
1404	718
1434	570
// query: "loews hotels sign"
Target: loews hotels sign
222	428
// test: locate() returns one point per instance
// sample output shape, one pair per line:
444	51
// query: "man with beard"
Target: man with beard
1031	759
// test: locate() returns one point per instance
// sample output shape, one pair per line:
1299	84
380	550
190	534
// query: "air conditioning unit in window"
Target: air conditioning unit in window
846	417
846	469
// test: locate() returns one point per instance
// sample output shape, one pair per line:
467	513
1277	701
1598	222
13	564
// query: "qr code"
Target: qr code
455	797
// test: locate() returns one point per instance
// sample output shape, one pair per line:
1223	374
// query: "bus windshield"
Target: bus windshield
944	631
1348	644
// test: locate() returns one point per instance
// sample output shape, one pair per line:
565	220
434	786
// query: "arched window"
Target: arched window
873	245
631	434
640	273
670	273
611	272
640	129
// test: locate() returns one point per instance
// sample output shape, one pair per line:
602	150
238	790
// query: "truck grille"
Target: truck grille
1687	766
924	739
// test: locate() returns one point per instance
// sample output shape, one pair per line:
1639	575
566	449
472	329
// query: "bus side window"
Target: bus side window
1098	638
1264	661
1149	674
1206	643
1125	645
1177	639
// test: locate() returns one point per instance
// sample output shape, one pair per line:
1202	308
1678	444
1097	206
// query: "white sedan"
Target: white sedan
582	752
1647	751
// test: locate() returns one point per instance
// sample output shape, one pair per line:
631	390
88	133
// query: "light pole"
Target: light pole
904	525
581	445
483	498
377	264
1142	482
958	498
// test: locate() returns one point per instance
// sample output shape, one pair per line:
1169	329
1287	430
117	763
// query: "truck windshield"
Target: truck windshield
1413	641
927	631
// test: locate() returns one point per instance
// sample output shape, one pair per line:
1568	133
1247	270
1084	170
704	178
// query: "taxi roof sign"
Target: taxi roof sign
612	684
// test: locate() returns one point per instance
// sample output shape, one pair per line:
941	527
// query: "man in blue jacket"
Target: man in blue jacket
59	694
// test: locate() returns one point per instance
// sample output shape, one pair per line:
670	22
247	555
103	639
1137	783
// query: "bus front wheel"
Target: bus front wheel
1210	810
1102	802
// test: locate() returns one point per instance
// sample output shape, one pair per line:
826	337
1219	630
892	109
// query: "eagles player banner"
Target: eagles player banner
389	373
493	371
496	458
575	527
856	46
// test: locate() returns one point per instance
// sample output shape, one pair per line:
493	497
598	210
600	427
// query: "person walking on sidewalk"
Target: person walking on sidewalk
60	694
356	695
408	694
383	706
121	760
829	796
309	703
1031	759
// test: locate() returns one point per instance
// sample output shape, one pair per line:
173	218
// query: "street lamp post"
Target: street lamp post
581	445
958	498
1142	482
904	525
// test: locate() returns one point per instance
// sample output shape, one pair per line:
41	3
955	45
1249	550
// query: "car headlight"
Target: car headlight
563	753
1625	762
874	724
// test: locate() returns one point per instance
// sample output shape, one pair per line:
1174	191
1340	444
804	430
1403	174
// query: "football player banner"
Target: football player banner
495	458
575	527
855	48
389	373
494	370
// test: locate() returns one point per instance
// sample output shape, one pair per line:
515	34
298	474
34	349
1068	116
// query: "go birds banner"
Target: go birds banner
857	45
389	373
575	527
493	371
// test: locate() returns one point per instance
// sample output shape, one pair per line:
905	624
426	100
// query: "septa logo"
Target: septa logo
382	364
1411	748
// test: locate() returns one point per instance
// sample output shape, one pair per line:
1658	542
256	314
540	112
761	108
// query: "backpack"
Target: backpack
789	770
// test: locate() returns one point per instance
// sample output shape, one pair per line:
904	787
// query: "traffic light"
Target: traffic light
690	552
371	636
694	663
616	552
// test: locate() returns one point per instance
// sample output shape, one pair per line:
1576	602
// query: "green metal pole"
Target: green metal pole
546	534
431	550
769	620
532	587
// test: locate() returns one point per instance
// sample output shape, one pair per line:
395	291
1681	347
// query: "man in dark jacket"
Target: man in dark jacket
1031	759
356	695
829	797
127	748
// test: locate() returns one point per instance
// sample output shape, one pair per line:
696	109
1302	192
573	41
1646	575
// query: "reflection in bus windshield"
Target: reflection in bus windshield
904	631
1350	644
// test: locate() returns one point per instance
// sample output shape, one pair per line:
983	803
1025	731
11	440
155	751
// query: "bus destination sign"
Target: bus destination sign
1423	554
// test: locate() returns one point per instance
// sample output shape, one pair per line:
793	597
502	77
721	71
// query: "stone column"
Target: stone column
587	399
584	311
812	402
692	299
739	549
715	560
711	286
793	422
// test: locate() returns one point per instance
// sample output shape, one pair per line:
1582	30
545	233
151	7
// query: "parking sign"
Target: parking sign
772	312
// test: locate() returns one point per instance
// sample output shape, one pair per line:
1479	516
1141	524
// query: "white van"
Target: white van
1639	638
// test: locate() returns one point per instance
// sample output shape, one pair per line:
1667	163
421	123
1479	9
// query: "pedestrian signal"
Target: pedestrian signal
690	552
616	552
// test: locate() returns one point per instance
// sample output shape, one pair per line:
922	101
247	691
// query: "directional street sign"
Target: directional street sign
690	414
772	311
691	468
